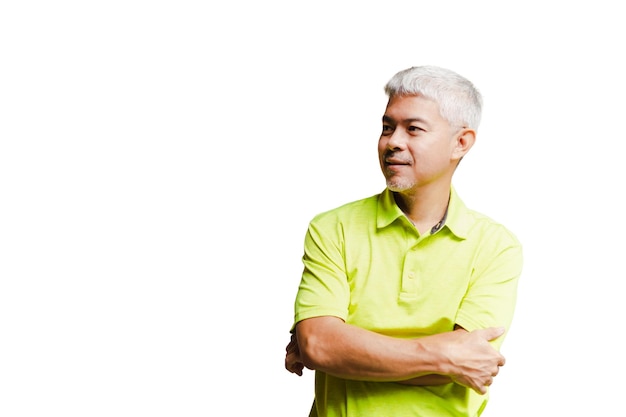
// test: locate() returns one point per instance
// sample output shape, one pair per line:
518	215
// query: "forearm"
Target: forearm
332	346
432	379
329	345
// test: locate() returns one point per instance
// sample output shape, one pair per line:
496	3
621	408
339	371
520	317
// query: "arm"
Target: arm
293	361
326	343
432	379
332	346
491	296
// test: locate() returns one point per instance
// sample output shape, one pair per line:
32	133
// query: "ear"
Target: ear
463	142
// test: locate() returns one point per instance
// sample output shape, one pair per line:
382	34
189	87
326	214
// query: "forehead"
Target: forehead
401	108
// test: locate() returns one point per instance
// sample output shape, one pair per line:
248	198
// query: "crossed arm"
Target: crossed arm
330	345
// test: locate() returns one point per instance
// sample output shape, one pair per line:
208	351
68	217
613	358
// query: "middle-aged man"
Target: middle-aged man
405	295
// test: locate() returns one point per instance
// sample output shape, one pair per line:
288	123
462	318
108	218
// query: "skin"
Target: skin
418	154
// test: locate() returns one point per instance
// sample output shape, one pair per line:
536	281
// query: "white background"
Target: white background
160	161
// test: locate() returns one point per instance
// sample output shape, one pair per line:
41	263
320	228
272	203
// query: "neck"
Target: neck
424	207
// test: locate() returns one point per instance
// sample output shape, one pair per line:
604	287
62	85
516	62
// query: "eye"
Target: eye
415	129
387	130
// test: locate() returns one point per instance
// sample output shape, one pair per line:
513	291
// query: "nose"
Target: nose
397	140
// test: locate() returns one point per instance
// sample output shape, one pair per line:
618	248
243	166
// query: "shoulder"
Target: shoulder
488	228
354	210
476	226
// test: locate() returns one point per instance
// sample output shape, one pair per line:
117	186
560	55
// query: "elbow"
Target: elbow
311	353
321	343
314	349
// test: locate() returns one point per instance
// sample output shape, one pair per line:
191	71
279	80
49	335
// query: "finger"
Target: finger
293	363
292	343
491	333
482	390
295	368
290	363
485	386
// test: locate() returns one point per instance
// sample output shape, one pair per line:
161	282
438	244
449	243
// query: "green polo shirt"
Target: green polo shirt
366	263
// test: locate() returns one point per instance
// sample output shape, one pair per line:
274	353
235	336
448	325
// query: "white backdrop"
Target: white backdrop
160	161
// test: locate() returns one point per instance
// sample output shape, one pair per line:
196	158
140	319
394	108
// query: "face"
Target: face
417	146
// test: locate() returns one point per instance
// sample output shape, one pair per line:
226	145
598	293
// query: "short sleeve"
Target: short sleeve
492	294
324	288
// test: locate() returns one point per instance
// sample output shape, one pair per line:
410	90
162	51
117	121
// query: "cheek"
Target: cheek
382	145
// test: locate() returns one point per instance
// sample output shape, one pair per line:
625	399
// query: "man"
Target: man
405	296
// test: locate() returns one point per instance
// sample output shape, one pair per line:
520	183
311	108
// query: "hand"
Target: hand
474	361
293	363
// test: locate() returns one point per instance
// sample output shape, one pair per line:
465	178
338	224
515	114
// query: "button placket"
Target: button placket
410	272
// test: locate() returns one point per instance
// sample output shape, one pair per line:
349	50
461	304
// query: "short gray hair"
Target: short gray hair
460	103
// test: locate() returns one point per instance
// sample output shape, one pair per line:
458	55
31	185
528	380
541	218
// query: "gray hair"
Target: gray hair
460	103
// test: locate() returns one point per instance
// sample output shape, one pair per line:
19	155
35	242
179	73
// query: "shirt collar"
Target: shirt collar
456	219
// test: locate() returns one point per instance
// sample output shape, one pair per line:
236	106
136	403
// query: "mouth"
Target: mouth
393	161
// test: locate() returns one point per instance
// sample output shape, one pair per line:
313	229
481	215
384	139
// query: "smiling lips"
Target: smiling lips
390	160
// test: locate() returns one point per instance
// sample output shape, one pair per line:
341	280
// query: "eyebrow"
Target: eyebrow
410	120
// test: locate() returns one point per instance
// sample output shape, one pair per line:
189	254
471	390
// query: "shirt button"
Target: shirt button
411	275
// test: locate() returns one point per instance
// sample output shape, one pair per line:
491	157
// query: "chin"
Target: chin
399	186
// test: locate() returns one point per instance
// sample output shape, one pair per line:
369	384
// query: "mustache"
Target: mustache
392	157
